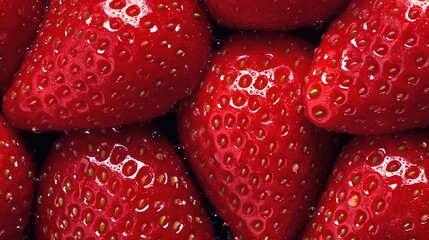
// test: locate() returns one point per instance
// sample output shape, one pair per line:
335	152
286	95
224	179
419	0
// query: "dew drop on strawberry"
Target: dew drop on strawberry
174	107
179	149
318	24
156	134
312	212
36	130
217	45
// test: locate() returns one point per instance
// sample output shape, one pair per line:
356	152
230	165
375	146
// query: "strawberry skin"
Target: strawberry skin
16	183
103	63
369	72
378	190
19	22
279	15
256	156
118	184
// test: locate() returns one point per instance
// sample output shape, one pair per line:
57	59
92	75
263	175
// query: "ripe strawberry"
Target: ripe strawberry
16	183
102	63
369	72
273	15
378	190
118	184
19	22
260	162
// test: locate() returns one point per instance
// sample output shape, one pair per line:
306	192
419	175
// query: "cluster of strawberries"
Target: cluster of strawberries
137	119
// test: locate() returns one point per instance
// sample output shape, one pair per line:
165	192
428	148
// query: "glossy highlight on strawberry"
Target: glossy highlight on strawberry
379	189
214	120
103	63
369	73
126	183
256	156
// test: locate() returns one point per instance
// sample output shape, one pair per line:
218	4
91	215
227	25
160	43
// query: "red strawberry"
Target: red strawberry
118	184
378	190
102	63
369	73
260	162
19	22
273	15
17	173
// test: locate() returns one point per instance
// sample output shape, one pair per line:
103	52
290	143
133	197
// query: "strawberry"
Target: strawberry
126	183
19	22
260	162
378	190
368	74
103	63
16	183
278	15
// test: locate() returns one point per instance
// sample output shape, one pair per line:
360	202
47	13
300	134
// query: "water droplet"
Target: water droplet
156	134
317	25
217	45
174	107
311	212
179	149
36	130
215	216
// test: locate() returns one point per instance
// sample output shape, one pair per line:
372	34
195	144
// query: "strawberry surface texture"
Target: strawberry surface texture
258	159
214	120
19	22
118	184
17	179
370	71
102	63
378	190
